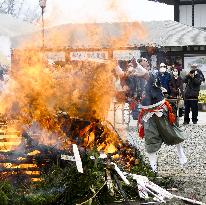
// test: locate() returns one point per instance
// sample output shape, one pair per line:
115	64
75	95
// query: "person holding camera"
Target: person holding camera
137	73
193	81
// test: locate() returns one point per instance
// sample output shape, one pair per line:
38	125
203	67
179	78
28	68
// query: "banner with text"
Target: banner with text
89	55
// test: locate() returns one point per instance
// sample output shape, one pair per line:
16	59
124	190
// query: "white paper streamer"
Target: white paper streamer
77	158
121	174
67	157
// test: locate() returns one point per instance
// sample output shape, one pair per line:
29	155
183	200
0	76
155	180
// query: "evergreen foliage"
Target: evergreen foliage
68	186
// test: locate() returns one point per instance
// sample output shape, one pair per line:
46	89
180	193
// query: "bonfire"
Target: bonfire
57	145
46	110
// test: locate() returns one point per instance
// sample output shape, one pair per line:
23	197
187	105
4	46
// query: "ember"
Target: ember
30	157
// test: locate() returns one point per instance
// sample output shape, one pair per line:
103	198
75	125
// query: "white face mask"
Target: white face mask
175	73
162	69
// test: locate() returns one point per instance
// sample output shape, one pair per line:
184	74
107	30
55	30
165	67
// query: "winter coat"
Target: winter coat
201	75
164	80
176	87
192	86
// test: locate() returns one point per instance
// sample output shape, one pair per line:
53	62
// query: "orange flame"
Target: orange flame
36	91
35	152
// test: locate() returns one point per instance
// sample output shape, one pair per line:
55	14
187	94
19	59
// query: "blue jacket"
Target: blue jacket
164	80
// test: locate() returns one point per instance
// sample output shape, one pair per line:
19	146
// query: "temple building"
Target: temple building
190	12
180	42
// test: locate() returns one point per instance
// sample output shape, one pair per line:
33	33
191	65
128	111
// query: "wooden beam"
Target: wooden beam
193	12
180	53
176	10
190	2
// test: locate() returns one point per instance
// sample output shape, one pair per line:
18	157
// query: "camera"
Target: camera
192	71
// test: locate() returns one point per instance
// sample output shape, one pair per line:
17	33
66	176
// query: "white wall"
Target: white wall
200	15
186	14
199	12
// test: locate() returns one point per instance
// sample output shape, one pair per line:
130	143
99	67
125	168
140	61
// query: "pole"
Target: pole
42	15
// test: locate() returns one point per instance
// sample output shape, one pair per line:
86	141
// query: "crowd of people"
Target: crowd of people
149	92
175	86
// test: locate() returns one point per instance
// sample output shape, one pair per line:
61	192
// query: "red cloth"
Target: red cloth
132	105
171	117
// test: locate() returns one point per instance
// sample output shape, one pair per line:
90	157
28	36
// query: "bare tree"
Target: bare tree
8	7
31	15
19	9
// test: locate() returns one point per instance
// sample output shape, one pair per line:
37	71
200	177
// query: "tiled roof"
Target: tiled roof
170	2
111	35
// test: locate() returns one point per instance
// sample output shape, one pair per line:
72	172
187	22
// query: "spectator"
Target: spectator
193	81
164	77
176	89
195	67
178	66
176	84
136	75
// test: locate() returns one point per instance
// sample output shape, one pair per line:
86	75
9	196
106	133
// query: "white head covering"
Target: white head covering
162	65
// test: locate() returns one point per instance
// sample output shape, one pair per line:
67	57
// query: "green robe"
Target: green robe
158	130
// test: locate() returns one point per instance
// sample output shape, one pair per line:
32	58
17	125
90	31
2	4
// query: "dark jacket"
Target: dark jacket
153	93
201	75
192	86
176	87
164	80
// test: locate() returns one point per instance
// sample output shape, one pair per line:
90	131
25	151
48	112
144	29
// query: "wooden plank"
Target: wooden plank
10	139
24	161
3	144
18	169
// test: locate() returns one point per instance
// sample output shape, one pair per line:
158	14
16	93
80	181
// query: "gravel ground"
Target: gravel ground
190	180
